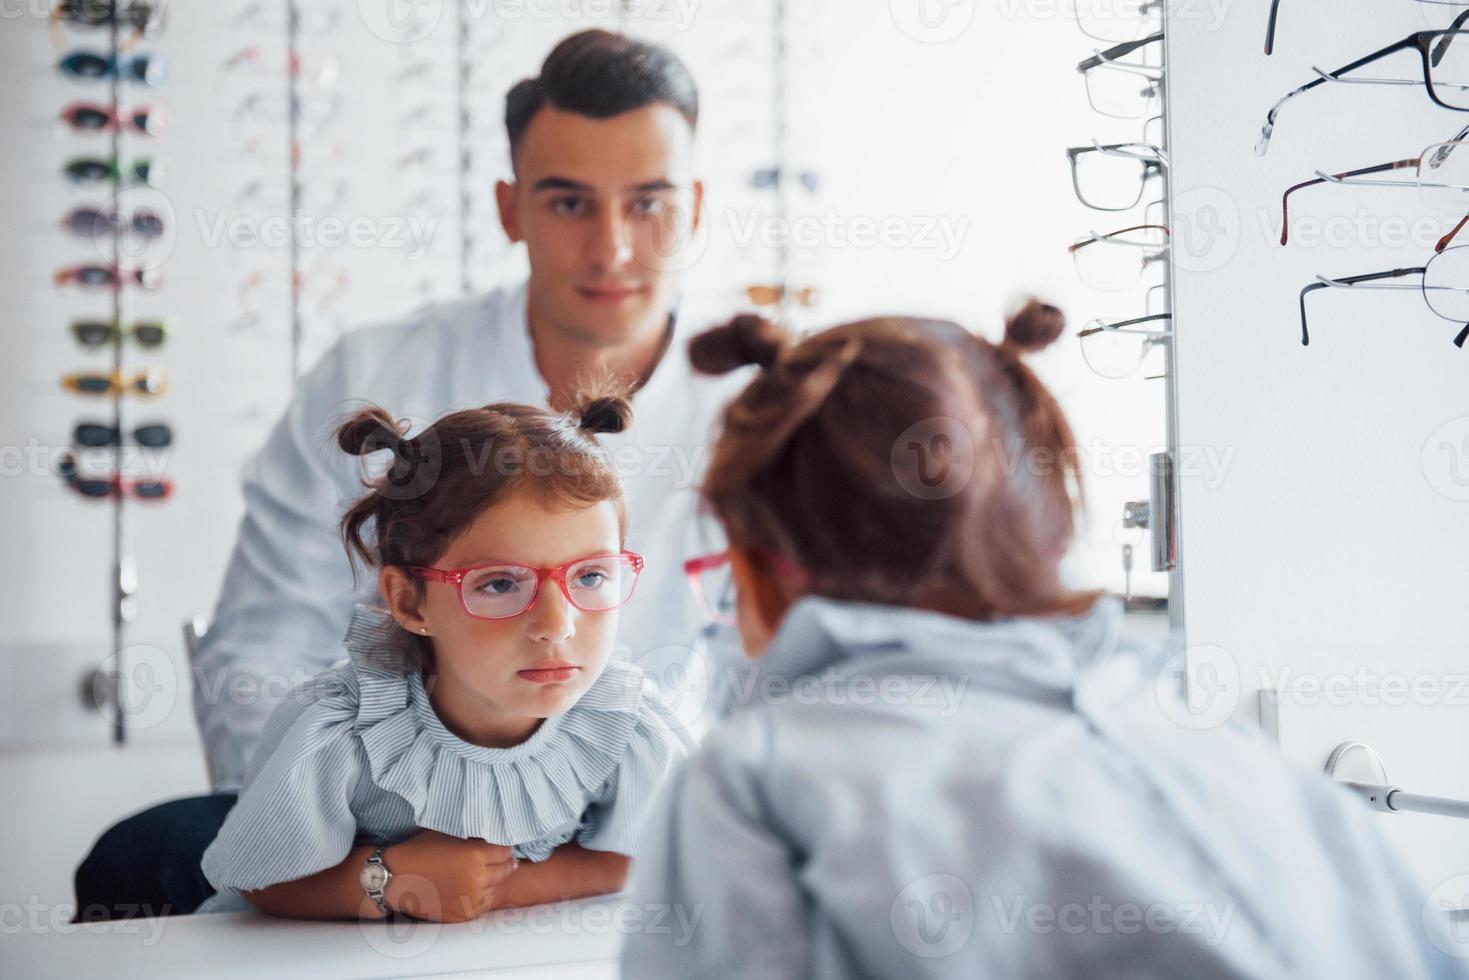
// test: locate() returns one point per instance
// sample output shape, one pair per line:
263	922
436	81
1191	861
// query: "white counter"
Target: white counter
567	940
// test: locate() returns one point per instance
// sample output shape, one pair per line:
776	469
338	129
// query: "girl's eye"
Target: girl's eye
498	585
591	580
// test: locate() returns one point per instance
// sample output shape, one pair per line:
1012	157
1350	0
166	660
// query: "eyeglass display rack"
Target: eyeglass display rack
1158	513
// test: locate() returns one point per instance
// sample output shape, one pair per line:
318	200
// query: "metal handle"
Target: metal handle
1387	798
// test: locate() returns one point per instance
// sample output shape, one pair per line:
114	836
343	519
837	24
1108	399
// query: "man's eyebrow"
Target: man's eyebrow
567	184
559	184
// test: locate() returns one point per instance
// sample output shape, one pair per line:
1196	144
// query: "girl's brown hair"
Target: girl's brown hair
442	479
900	461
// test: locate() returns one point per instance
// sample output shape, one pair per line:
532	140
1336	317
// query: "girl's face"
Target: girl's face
493	680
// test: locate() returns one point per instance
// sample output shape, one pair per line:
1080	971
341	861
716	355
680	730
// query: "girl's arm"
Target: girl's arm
572	871
434	876
333	893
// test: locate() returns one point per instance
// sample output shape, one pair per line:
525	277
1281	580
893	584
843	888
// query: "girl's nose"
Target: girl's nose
552	618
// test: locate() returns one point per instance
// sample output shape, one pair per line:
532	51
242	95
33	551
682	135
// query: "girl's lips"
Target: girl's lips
549	675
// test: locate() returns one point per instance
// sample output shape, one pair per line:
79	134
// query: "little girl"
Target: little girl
480	721
946	763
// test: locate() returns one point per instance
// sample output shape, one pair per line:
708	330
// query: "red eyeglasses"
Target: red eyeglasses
713	585
502	590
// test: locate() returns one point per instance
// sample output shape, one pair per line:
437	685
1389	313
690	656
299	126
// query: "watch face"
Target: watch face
373	877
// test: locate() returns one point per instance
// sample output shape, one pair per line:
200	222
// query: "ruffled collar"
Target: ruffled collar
511	795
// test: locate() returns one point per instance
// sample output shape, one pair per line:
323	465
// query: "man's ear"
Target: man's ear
509	214
400	591
698	205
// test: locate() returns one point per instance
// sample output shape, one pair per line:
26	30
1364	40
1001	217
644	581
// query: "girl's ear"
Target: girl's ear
400	592
762	599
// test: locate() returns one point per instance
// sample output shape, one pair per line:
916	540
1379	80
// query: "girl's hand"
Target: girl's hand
443	878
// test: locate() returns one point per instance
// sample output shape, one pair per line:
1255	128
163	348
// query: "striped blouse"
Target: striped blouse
358	754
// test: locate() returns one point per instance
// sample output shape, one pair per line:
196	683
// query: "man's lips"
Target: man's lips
551	674
609	294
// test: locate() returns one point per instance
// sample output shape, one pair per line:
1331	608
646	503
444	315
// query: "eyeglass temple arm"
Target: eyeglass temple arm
1270	27
1324	283
1285	198
1443	242
1120	324
1116	51
1442	47
1269	128
1112	234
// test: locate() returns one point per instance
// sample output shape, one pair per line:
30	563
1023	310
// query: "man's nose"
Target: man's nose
610	245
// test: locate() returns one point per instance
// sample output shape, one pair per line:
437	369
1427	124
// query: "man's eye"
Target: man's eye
569	206
650	205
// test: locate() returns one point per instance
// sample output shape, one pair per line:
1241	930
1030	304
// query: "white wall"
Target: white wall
1333	551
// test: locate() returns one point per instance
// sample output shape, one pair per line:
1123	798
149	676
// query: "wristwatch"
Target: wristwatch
374	878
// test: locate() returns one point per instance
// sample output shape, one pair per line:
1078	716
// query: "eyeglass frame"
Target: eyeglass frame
1151	338
695	567
1368	281
1152	166
1419	40
1350	177
456	577
1108	58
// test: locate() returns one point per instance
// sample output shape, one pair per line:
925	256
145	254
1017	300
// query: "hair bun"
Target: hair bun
370	430
747	339
1034	327
605	413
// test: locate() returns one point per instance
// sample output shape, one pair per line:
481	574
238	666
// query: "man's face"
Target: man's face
605	208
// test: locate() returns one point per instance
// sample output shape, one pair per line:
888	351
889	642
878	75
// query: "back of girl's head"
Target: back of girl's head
440	480
900	461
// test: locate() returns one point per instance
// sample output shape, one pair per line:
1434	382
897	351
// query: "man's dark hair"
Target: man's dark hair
600	74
